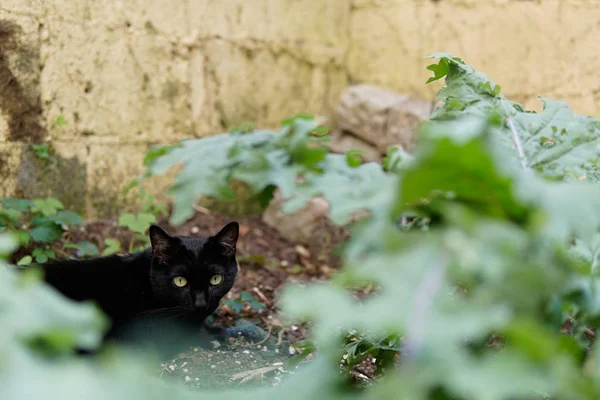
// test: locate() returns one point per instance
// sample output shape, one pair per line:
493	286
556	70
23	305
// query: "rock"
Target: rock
309	226
342	141
380	117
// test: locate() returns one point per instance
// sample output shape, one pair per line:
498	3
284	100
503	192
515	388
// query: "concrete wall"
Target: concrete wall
124	74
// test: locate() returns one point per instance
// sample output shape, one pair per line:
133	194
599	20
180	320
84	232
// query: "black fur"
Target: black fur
137	291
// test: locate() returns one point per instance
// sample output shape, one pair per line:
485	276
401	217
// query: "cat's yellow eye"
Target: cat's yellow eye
216	279
180	281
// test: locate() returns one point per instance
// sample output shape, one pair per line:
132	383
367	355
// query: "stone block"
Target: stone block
27	175
20	108
126	85
256	84
312	30
10	161
32	8
110	168
381	117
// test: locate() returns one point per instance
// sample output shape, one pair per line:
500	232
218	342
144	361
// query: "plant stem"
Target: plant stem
424	296
517	141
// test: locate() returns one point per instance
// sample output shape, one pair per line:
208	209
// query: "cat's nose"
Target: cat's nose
200	301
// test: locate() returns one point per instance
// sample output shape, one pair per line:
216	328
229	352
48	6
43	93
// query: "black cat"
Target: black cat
163	293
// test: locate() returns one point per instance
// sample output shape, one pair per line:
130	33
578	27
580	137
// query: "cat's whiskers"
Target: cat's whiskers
162	310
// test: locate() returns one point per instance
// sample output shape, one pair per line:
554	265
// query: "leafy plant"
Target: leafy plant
112	246
509	213
245	299
150	205
483	246
41	221
84	248
138	224
263	159
42	151
359	346
60	121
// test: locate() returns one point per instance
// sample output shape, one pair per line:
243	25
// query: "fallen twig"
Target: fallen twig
245	376
266	336
261	295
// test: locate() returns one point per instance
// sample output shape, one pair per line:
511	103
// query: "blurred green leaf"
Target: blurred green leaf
45	234
84	248
138	223
112	246
67	218
47	207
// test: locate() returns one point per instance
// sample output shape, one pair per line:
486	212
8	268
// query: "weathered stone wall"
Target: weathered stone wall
124	74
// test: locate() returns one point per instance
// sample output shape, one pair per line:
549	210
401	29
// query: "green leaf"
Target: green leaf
353	157
41	151
439	70
138	223
60	121
45	234
298	117
8	244
84	248
261	158
556	142
47	207
396	159
23	237
246	296
347	190
67	218
39	255
22	205
10	217
26	260
256	305
112	246
236	305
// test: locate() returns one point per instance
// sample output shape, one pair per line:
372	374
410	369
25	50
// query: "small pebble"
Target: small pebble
185	370
292	350
172	367
187	378
195	230
238	362
246	351
195	349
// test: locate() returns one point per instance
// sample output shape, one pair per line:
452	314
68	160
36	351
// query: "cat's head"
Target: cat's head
191	272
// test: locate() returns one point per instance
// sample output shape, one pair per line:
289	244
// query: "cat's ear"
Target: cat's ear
227	238
162	243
